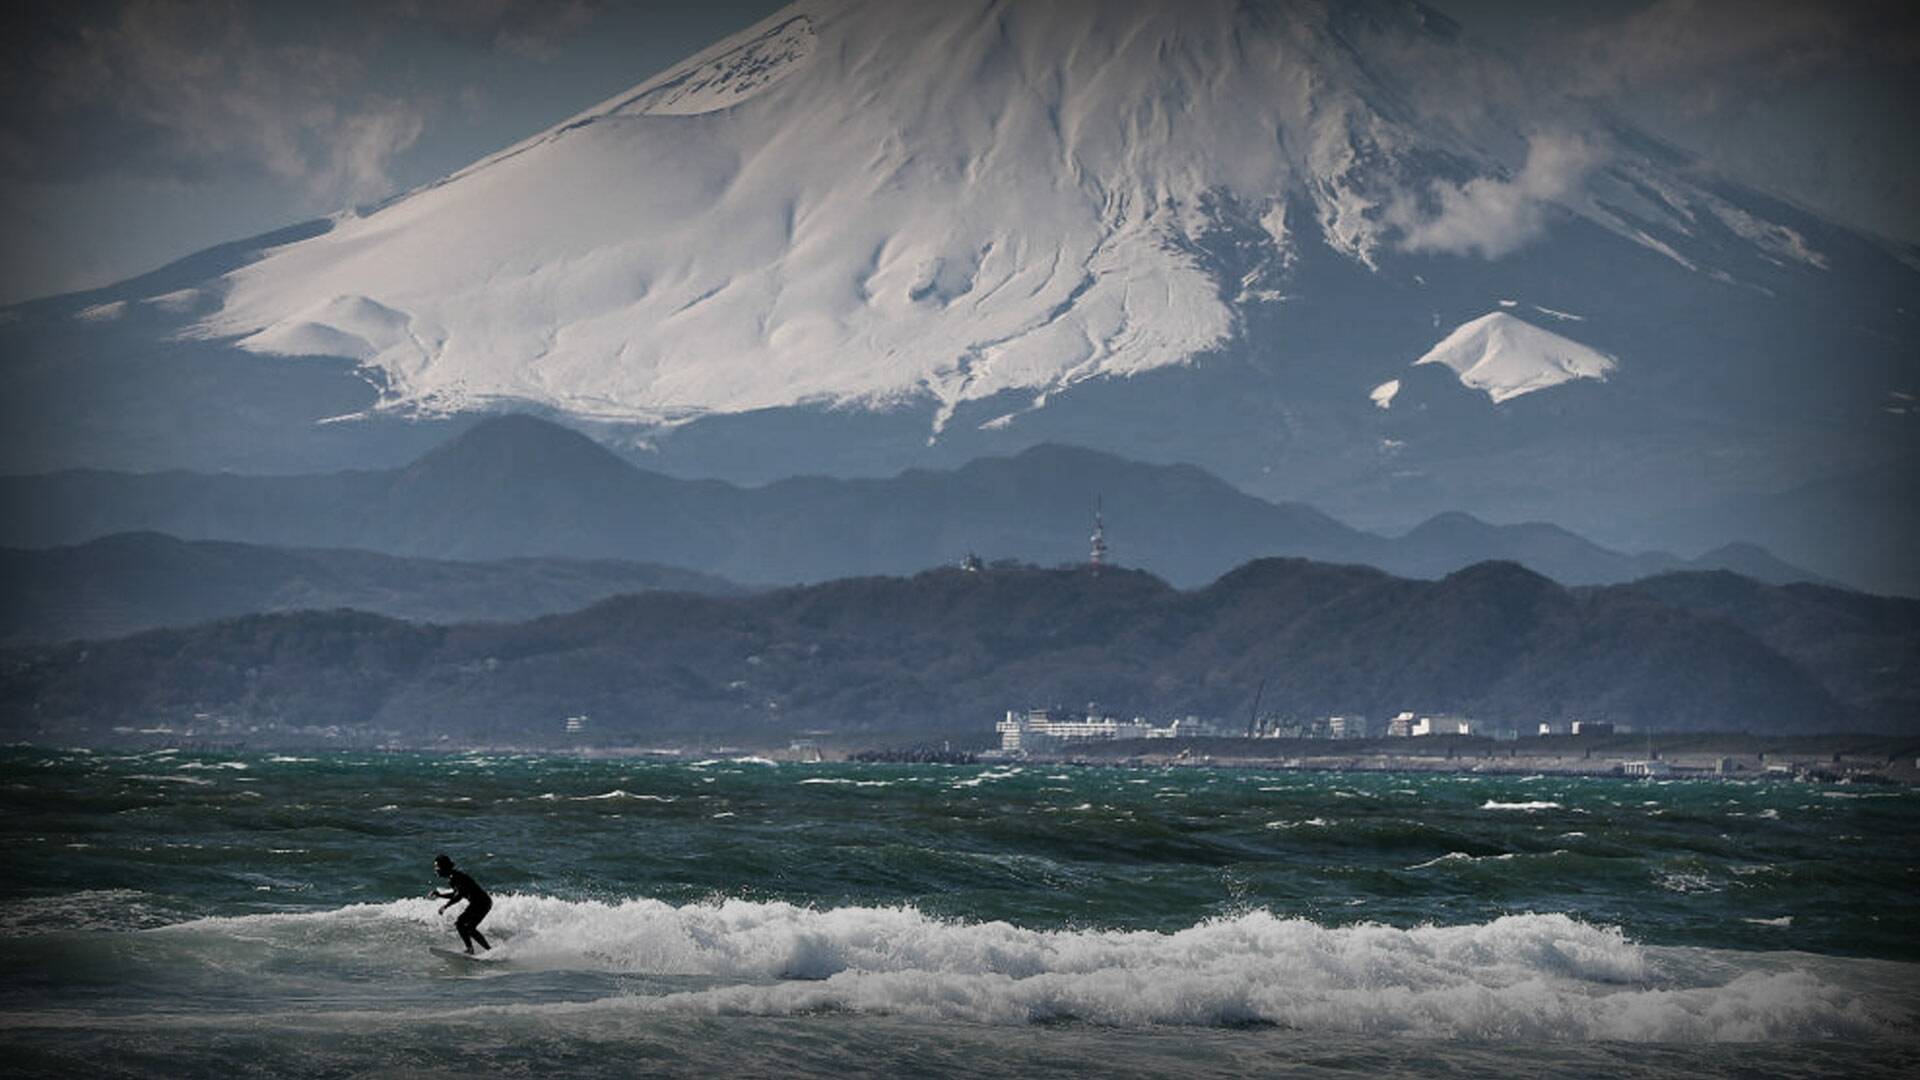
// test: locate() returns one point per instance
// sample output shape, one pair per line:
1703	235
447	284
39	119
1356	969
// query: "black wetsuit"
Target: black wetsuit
478	904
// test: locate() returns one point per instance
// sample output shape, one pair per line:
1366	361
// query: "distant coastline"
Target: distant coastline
1709	755
1832	758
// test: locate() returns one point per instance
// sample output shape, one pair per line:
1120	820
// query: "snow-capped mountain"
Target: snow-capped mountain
871	203
866	234
1505	357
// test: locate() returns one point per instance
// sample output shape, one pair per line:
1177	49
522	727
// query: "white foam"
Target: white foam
1536	805
88	909
1519	977
621	794
842	781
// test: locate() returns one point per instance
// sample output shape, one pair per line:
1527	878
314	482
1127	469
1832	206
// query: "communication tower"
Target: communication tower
1099	554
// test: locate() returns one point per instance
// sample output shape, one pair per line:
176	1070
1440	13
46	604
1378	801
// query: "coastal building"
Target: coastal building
1186	727
1441	725
1348	727
1400	726
1039	730
1042	731
1592	727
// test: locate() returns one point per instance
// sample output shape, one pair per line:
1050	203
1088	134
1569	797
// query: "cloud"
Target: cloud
196	89
166	88
1490	216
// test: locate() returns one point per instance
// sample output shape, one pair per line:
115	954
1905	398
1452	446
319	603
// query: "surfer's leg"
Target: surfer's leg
469	926
472	922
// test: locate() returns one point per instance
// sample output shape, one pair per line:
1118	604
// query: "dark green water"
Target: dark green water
174	914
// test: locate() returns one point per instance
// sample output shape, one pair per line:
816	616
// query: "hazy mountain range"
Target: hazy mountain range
517	487
129	582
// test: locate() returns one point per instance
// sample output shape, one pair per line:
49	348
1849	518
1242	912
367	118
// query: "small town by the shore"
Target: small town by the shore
1418	742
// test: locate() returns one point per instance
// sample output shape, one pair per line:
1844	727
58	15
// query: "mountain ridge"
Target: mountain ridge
129	582
944	652
522	486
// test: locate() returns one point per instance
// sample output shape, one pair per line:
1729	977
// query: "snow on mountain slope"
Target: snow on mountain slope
1506	357
867	203
849	203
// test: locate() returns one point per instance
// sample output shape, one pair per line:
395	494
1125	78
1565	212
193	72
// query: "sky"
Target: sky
134	132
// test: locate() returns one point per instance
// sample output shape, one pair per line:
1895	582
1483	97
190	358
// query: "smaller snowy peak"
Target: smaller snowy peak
1506	357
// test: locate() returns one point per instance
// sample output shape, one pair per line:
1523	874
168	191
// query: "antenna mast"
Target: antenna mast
1099	554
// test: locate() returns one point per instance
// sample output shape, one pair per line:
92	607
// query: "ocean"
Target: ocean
188	914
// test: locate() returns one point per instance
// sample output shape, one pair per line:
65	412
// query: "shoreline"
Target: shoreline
1862	758
1889	760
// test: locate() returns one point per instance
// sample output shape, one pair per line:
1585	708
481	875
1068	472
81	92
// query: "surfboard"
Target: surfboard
457	955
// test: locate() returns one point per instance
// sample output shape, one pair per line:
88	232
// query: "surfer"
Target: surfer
463	888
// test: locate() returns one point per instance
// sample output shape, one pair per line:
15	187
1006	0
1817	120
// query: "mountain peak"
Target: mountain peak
521	446
866	203
1506	357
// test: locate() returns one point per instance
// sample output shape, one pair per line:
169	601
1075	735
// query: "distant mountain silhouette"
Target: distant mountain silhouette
516	486
944	652
139	581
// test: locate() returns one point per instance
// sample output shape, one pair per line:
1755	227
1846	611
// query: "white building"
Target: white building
1347	727
1186	727
1039	730
1441	725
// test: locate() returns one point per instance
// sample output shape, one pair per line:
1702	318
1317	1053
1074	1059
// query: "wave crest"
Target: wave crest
1529	976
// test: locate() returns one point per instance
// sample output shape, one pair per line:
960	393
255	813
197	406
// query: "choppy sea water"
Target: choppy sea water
174	914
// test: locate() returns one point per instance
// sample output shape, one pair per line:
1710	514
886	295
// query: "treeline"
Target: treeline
942	654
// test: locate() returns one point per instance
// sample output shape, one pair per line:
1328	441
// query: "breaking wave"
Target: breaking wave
1519	977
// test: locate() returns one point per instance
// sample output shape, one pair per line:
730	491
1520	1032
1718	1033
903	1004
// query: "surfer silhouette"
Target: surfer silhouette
463	888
